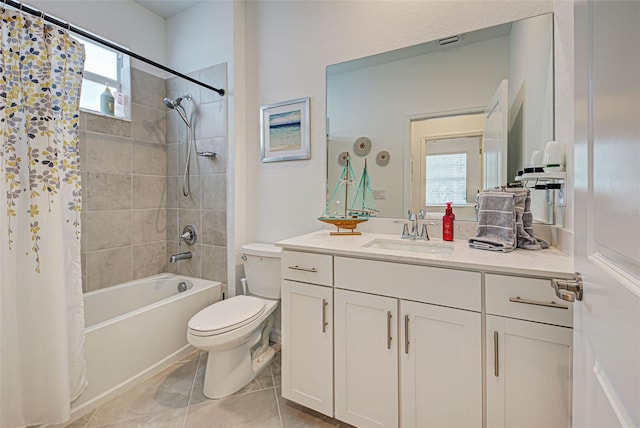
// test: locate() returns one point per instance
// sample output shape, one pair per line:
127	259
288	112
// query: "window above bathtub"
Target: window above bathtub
105	67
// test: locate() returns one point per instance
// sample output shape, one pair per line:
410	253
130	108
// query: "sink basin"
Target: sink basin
422	247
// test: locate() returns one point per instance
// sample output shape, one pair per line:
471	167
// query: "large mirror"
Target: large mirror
454	116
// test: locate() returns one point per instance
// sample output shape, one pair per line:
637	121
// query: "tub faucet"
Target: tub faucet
180	256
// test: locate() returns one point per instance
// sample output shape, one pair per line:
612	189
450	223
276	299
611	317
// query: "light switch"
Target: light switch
379	194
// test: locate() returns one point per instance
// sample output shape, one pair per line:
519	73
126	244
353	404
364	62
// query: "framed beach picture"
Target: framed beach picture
284	131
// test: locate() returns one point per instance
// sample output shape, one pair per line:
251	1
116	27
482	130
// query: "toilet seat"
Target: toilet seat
226	315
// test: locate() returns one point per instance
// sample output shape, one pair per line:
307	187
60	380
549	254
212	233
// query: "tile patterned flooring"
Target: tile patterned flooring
174	399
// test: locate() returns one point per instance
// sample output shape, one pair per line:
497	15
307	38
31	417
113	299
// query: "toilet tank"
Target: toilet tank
262	269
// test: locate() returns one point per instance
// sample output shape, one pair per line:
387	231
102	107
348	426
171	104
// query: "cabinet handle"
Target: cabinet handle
388	329
537	303
496	366
305	269
406	334
324	316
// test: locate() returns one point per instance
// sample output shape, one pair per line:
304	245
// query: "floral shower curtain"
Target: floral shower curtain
42	366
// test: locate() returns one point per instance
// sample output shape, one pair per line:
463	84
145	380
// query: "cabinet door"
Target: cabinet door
307	345
366	359
440	366
528	374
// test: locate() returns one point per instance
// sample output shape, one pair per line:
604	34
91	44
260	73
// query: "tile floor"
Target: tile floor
174	399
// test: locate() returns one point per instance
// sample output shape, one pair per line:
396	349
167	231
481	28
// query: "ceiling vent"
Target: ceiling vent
448	40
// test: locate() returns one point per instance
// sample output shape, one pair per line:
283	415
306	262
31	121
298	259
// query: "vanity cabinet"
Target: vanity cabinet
366	358
431	355
383	344
529	360
307	331
440	366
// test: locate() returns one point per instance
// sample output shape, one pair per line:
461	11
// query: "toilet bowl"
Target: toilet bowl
235	331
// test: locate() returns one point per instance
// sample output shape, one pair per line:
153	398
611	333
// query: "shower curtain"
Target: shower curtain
42	367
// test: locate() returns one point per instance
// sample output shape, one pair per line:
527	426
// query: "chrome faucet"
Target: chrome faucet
180	256
414	228
415	222
424	233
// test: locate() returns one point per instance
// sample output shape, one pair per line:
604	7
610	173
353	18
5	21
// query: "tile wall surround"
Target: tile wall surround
131	206
206	207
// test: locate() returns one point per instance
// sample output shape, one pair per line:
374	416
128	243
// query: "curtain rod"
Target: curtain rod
24	8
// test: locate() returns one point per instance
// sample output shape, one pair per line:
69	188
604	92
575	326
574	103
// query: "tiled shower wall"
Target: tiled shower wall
123	168
206	206
132	171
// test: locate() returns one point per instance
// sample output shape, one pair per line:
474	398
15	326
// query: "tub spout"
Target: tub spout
180	256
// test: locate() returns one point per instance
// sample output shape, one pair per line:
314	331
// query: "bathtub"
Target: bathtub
136	329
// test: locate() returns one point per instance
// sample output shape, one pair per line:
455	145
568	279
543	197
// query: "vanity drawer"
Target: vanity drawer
307	267
527	299
446	287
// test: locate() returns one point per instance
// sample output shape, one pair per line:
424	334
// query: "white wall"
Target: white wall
200	36
289	45
531	75
531	95
123	21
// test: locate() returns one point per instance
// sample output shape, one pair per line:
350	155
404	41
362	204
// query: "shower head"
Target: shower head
174	104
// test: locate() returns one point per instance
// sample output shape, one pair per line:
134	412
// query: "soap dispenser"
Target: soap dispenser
107	102
447	223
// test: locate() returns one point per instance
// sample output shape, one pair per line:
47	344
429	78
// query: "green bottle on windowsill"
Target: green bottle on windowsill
106	102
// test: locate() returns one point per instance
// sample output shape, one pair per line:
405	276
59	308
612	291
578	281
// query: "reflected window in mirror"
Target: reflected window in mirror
446	179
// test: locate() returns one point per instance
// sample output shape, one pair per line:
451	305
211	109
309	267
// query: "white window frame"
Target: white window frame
422	173
122	85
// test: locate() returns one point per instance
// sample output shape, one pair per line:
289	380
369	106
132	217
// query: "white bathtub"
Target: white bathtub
136	329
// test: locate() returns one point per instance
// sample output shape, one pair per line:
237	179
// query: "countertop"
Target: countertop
546	263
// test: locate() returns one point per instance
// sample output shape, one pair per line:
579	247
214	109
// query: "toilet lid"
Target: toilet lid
226	315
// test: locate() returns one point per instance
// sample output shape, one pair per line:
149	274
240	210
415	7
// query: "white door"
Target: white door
494	146
366	359
307	345
607	214
528	374
440	366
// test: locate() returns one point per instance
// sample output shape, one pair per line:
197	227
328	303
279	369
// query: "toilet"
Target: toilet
235	331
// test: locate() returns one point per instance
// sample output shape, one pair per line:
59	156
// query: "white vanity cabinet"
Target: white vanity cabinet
377	342
528	359
307	330
366	359
385	345
440	366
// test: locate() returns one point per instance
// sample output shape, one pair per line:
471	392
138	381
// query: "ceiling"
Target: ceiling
167	8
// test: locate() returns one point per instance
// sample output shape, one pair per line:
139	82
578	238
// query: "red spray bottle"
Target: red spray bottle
447	223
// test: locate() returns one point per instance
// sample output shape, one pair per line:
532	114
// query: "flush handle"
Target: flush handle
569	290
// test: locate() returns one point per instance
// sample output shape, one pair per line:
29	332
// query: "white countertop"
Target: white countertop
544	263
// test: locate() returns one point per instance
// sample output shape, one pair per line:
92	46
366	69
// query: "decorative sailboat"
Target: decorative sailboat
363	203
338	211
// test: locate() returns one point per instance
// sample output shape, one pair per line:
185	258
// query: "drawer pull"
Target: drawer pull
496	367
406	334
324	316
388	329
304	269
537	303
